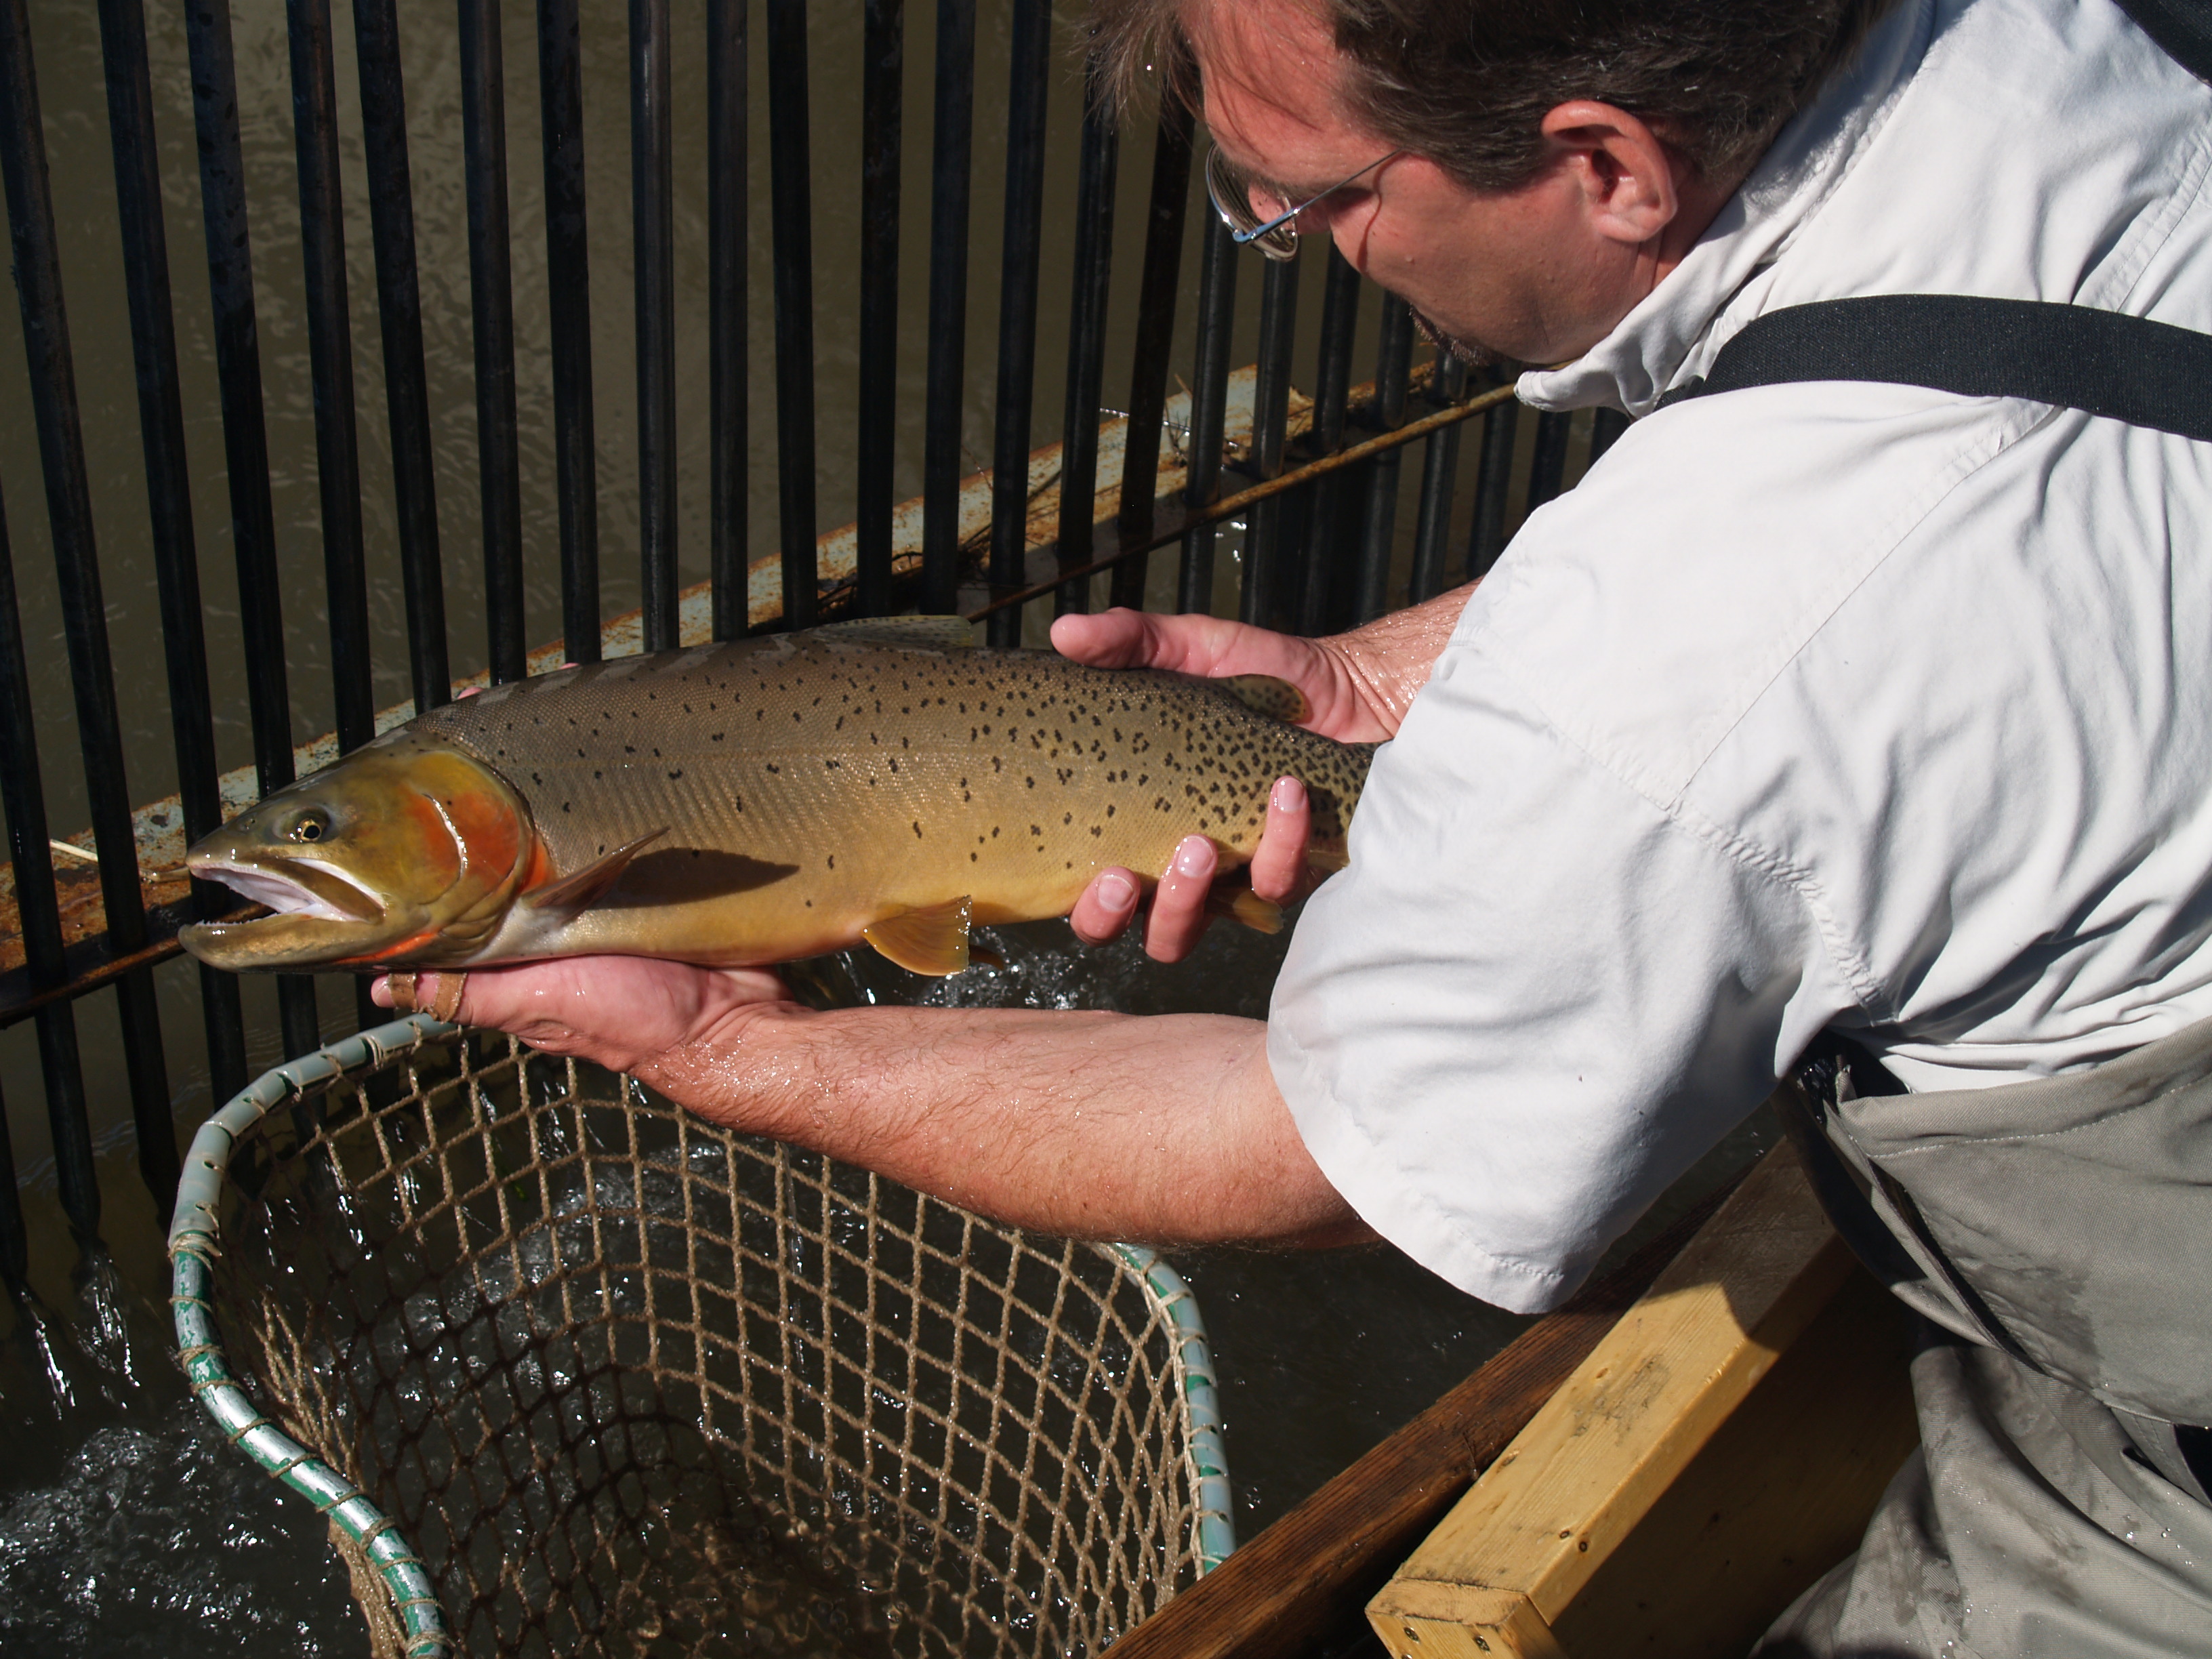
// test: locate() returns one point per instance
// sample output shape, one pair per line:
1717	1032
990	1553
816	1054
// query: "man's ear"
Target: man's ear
1626	171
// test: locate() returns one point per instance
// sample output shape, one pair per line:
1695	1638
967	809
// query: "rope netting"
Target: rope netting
573	1372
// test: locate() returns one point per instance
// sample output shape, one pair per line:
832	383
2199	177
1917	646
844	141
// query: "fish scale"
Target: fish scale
799	789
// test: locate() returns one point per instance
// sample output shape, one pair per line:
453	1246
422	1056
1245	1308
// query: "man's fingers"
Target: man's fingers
1107	906
1279	866
1178	915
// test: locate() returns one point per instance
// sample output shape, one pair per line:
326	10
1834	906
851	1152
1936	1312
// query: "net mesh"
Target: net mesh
632	1384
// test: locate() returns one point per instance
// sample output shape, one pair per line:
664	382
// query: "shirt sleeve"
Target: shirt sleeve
1534	999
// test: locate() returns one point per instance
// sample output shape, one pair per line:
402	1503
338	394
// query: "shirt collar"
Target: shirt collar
1671	336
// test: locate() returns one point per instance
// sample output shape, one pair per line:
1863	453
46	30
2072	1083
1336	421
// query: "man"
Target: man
1857	706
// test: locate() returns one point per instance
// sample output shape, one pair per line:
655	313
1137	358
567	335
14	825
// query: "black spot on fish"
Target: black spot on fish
677	774
917	829
832	861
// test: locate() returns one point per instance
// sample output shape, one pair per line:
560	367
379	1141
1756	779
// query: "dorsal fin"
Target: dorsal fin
933	939
1268	695
946	632
578	893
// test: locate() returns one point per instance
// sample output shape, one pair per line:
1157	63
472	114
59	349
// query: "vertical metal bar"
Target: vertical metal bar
1209	400
1379	523
951	147
1340	317
1096	166
400	314
883	54
76	564
39	915
491	296
1547	466
1439	471
569	304
1494	481
729	360
329	357
245	435
168	492
790	211
15	1245
1262	601
1605	427
653	235
1157	293
1029	78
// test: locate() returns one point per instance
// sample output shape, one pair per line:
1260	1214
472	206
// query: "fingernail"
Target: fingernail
1117	891
379	990
1288	795
1195	857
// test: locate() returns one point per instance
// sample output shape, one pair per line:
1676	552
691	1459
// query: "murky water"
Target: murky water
125	1526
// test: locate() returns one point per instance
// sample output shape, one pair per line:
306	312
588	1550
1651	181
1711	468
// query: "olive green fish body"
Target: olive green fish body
767	799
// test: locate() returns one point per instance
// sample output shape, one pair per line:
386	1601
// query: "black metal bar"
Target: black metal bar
1209	402
1379	523
1547	466
238	371
1262	600
399	316
1320	577
77	565
491	296
245	433
951	149
15	1243
568	305
728	358
1605	427
790	211
1493	483
884	55
1096	166
652	235
1028	79
39	915
1157	290
1439	472
168	492
329	357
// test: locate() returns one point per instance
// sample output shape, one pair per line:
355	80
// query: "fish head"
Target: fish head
407	852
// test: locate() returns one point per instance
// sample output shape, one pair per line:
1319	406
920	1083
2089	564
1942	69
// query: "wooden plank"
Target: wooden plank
1557	1505
1300	1586
1780	1494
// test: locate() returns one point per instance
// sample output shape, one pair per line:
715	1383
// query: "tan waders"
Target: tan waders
2057	1234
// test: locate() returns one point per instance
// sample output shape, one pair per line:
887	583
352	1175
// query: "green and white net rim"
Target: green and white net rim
570	1372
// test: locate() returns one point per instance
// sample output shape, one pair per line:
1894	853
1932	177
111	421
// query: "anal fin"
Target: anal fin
933	939
578	892
1240	904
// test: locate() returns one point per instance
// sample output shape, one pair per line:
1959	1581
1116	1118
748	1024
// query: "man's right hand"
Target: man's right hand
1358	686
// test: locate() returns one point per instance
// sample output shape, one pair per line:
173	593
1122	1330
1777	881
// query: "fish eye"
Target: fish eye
313	825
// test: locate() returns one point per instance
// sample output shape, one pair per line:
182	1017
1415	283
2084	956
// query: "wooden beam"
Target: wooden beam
1299	1587
1504	1574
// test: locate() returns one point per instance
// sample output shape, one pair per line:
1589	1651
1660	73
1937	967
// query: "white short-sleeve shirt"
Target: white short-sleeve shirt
1847	704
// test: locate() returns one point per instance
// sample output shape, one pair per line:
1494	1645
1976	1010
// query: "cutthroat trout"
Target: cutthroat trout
761	801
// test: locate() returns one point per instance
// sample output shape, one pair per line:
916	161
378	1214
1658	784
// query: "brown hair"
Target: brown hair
1467	83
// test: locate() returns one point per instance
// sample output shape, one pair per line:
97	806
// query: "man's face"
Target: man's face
1514	273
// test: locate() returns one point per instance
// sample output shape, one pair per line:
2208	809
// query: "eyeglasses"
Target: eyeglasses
1237	196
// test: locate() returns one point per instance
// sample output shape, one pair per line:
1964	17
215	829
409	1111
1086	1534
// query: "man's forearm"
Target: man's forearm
1165	1129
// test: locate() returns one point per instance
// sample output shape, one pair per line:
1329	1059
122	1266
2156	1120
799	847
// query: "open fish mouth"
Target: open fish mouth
317	892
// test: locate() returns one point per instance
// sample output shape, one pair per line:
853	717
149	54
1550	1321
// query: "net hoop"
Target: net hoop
194	1232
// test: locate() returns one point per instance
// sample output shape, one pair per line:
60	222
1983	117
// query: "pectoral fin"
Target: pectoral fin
931	941
1268	695
578	893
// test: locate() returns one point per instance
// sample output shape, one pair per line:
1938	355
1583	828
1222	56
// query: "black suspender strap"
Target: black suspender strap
2128	368
2183	29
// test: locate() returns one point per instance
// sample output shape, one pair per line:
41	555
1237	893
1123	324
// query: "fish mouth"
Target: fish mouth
319	918
321	892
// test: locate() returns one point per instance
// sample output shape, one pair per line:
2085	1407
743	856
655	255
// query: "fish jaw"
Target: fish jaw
309	919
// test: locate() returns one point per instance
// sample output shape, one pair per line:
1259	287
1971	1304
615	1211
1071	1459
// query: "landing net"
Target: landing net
572	1372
